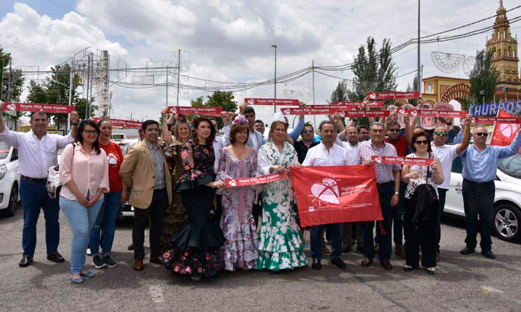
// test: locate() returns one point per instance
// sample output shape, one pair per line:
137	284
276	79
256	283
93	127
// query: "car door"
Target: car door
454	199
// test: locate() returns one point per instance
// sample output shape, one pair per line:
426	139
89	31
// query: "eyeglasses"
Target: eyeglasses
394	130
377	130
485	134
443	134
307	131
422	142
90	131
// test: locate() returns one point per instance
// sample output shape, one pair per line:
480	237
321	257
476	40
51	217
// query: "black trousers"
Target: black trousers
153	215
420	233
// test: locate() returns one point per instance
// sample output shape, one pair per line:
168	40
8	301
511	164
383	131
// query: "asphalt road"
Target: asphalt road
463	283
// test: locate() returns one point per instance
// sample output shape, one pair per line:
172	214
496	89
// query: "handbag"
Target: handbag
54	184
425	199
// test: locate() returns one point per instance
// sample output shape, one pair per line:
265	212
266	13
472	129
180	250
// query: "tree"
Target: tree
374	70
12	80
412	89
224	99
486	80
340	94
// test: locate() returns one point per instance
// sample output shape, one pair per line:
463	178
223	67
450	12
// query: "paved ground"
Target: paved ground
463	283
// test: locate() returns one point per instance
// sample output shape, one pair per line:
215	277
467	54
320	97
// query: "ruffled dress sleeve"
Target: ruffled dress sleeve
198	162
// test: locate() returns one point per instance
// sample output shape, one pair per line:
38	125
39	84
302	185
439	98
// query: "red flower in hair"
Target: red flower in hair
206	151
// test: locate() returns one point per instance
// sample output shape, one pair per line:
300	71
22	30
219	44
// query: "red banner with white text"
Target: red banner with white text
396	160
35	107
256	101
496	120
392	95
504	133
186	110
129	124
374	104
336	194
432	113
255	180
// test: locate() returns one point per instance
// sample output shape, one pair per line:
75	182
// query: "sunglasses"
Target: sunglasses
90	131
394	130
307	131
485	134
422	142
443	134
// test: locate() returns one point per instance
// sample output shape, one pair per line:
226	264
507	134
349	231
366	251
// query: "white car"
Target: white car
9	180
507	201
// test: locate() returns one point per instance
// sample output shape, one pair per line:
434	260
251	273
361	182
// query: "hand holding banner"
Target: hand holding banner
392	95
504	133
335	195
204	110
396	160
35	107
255	180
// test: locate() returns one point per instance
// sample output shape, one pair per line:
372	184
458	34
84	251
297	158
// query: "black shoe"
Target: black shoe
98	262
55	257
467	250
339	263
26	261
347	248
316	265
110	262
360	249
131	246
488	254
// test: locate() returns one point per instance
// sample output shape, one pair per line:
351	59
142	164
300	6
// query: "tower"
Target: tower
504	51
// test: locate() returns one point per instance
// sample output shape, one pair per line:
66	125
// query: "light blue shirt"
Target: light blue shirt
482	167
298	129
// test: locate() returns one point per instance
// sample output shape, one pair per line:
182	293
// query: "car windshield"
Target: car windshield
511	166
4	150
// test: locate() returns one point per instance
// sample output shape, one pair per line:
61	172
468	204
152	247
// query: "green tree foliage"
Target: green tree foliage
486	80
374	70
340	94
17	79
224	99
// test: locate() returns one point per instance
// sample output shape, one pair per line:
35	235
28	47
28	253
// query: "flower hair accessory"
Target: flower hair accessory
240	120
195	119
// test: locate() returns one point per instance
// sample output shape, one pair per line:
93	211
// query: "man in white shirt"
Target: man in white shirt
447	153
326	154
38	151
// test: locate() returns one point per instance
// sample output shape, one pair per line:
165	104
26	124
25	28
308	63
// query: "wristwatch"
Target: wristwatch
396	193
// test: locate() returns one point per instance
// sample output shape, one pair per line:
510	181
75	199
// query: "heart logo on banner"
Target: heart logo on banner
414	113
327	191
372	96
232	183
286	111
251	102
11	107
378	160
401	111
174	110
342	114
507	129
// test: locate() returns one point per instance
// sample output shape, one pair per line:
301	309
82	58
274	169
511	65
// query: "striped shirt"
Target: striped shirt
384	172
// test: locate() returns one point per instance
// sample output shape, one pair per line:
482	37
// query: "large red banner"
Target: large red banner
129	124
496	120
309	111
255	180
186	110
375	104
336	194
367	113
256	101
397	160
35	107
392	95
504	133
432	113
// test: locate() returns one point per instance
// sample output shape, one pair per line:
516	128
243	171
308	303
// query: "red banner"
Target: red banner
336	194
35	107
256	180
392	160
129	124
361	104
255	101
309	111
376	113
504	133
432	113
392	95
496	120
186	110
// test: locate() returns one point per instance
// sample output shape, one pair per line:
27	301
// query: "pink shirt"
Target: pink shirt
88	171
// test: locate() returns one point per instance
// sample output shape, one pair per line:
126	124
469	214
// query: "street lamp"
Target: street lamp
482	93
275	80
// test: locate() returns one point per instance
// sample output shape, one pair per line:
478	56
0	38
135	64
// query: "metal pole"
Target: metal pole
313	86
166	89
88	87
419	73
71	81
275	78
2	80
9	81
178	74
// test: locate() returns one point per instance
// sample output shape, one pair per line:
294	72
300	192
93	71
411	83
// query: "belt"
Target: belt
478	183
384	184
40	180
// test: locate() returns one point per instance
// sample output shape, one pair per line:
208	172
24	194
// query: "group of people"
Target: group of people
175	180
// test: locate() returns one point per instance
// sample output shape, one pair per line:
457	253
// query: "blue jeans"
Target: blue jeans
442	195
107	221
383	228
34	197
316	239
81	220
479	200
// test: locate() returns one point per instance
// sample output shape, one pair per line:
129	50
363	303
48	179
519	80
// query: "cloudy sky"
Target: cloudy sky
230	40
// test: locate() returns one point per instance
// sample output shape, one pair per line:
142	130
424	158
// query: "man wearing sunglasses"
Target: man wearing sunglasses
447	153
302	146
480	163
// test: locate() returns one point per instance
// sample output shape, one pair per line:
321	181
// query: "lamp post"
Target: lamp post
275	78
482	93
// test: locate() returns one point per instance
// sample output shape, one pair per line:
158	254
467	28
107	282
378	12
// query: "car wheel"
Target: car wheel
13	203
506	222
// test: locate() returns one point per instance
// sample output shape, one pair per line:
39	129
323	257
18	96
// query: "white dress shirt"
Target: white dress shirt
319	156
446	153
351	153
217	147
36	156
